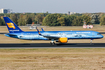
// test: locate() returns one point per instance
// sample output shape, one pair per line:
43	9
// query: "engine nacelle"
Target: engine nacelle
63	40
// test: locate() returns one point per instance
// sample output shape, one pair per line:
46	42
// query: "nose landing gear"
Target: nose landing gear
91	41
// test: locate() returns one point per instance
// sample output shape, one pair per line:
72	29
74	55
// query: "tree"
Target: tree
69	19
95	19
38	18
33	17
61	20
13	17
78	21
86	18
29	20
2	22
102	20
20	20
51	20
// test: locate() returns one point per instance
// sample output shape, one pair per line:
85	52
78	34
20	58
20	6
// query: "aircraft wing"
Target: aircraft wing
50	37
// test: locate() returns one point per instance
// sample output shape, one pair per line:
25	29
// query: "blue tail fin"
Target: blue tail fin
12	27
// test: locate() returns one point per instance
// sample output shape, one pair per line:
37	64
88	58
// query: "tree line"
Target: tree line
22	19
48	19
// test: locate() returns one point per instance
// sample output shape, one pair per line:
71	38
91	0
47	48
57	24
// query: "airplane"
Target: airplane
32	26
54	36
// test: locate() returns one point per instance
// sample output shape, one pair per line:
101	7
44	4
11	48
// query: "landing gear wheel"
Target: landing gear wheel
91	41
52	43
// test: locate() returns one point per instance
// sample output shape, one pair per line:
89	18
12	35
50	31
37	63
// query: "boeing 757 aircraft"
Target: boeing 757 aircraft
58	36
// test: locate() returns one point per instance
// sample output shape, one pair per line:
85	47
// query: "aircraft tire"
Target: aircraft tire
52	43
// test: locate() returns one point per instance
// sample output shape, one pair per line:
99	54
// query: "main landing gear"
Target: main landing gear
91	41
52	42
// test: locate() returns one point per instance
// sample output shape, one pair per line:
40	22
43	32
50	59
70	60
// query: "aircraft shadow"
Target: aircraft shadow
3	33
102	32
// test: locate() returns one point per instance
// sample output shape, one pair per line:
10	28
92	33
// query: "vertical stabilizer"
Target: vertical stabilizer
12	27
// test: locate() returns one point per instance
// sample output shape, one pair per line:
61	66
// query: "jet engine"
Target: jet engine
63	40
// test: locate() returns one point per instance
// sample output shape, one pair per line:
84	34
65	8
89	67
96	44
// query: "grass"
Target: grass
52	59
53	49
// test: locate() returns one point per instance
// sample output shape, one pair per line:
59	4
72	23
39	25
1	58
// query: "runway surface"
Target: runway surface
48	45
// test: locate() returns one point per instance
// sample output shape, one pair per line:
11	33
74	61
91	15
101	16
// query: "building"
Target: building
5	10
70	13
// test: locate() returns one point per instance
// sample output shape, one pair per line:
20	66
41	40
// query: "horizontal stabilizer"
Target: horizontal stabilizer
42	29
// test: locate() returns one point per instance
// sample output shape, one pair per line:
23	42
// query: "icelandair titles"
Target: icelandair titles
13	30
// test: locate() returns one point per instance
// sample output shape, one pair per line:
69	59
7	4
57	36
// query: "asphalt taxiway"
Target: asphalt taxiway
48	45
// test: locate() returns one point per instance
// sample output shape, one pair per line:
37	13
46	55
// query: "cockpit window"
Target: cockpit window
98	33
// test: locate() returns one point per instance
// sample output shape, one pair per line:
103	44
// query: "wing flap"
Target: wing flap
51	37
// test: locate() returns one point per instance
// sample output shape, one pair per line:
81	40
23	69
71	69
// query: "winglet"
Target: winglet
38	32
42	29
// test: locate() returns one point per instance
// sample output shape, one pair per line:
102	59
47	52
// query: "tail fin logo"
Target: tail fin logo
11	25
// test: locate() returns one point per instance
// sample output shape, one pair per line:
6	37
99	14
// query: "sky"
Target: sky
54	6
